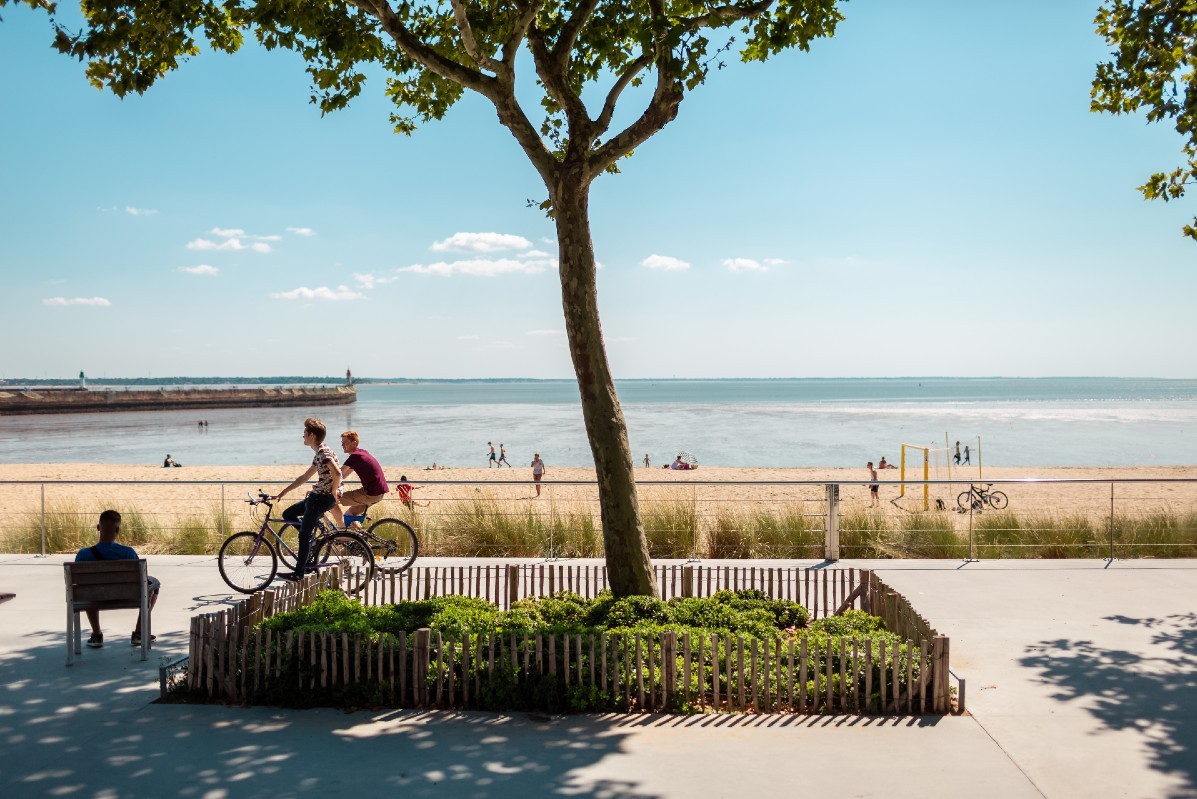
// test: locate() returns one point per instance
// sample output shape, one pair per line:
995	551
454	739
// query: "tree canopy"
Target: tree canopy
1153	67
432	51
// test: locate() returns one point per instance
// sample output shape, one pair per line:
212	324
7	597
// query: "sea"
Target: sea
1019	422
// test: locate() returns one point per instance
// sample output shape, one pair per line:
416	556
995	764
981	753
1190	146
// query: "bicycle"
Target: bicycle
976	498
387	538
248	561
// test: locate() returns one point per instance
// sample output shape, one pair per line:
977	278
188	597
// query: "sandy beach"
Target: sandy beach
159	492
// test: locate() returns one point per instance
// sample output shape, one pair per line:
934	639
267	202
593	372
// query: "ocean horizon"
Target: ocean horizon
739	422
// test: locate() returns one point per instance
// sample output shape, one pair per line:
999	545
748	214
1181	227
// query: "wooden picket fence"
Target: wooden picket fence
820	590
231	661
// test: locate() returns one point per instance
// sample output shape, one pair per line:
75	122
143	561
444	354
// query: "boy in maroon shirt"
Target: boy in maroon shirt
363	464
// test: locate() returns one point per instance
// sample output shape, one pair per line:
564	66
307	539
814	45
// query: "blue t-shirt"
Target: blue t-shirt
110	551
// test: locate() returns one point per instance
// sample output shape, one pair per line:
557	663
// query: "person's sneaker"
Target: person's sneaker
135	639
96	641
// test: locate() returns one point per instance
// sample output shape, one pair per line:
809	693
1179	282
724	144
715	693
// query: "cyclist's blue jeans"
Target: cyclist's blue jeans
310	509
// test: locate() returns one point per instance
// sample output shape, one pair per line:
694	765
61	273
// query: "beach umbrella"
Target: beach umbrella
688	458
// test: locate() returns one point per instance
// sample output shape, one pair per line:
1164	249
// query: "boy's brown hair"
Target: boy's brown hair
351	435
316	428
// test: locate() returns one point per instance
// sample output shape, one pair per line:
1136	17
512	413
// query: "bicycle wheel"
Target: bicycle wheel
965	500
354	556
288	533
247	564
394	543
997	500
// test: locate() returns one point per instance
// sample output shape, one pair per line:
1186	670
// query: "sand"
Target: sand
166	493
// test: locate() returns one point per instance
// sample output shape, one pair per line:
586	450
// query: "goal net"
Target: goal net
924	463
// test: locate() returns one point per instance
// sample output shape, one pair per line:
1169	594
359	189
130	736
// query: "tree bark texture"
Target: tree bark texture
629	568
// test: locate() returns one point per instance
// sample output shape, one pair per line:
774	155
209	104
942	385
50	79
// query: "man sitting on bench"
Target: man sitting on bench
107	549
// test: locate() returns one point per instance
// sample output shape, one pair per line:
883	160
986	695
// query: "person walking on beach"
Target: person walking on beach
503	457
107	549
873	486
374	485
966	460
537	471
490	461
323	496
646	464
957	458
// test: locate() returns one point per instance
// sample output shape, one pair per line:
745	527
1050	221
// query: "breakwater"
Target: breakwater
88	401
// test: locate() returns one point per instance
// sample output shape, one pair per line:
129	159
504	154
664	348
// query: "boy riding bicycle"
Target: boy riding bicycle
374	485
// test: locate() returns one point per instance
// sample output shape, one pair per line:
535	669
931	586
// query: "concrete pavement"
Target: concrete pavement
1082	680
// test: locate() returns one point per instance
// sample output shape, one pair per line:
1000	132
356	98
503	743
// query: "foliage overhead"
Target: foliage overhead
1153	67
433	50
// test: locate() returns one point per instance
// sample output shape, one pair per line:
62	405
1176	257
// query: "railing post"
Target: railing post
1111	522
831	541
43	520
223	532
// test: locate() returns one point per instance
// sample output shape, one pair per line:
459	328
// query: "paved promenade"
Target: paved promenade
1082	682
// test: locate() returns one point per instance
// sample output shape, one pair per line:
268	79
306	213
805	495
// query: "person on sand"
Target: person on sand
647	465
107	549
374	485
882	464
874	486
967	462
491	461
404	489
321	499
956	460
169	462
503	456
537	471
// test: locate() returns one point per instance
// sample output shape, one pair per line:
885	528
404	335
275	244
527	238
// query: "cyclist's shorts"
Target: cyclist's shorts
358	496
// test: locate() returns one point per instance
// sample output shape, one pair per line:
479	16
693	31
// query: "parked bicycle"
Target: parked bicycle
393	541
977	498
249	561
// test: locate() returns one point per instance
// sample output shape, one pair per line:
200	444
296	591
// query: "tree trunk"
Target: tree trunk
629	568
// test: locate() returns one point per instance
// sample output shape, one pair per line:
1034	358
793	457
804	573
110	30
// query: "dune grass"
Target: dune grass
674	527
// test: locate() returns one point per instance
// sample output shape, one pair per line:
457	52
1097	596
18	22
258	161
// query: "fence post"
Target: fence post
831	541
513	583
419	667
668	666
687	581
43	520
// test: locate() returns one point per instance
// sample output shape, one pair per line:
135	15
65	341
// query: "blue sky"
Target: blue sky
925	194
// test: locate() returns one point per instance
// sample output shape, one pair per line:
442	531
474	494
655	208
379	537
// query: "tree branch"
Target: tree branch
637	66
552	73
471	44
436	63
571	29
724	14
512	45
662	108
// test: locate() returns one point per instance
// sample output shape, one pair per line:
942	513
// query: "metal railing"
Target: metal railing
796	519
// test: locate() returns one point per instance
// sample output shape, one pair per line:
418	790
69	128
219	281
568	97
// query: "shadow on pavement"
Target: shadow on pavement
1129	691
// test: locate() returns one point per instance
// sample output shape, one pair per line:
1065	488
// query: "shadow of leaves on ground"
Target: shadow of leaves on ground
1127	690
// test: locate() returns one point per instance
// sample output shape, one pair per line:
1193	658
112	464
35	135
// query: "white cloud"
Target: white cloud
467	338
301	231
339	294
484	267
545	332
367	280
228	233
232	243
536	254
481	242
743	265
60	301
139	211
775	261
664	262
202	269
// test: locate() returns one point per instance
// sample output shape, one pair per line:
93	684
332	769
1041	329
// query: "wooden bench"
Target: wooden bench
105	585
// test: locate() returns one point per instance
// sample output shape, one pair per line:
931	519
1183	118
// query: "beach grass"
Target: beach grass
675	527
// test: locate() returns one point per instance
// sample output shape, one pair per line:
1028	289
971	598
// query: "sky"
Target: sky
927	193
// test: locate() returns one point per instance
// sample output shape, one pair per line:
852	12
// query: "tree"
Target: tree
1154	66
435	50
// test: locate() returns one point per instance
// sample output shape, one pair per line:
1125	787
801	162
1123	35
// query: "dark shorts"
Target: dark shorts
537	477
874	487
